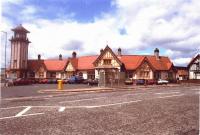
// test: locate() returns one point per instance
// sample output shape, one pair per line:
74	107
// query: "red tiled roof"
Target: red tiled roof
163	63
50	65
55	65
74	62
182	72
131	62
34	65
86	62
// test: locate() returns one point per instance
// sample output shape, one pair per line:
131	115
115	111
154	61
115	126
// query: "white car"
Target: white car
160	81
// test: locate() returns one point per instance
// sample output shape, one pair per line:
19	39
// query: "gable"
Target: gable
107	55
69	67
41	69
194	61
145	66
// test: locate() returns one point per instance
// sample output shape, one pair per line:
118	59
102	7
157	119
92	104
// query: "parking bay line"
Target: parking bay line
172	96
23	111
20	116
61	109
167	93
13	107
134	101
81	100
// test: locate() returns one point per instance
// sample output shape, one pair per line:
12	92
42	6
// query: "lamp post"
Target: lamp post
5	53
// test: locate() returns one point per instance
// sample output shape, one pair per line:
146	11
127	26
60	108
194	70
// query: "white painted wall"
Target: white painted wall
58	75
96	74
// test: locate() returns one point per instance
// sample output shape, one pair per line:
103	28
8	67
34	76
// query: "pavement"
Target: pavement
161	110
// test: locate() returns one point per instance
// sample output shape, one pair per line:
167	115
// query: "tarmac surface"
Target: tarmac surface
157	110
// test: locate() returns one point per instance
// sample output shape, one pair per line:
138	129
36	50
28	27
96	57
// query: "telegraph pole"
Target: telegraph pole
5	54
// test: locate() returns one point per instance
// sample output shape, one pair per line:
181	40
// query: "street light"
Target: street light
5	53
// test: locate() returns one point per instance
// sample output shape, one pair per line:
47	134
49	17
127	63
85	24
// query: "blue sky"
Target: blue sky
86	26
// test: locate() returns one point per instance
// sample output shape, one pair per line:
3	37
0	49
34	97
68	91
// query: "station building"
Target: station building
107	65
194	67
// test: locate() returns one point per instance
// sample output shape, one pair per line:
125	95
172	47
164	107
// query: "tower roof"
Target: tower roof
156	50
20	28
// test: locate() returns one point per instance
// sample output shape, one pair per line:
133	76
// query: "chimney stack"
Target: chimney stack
60	57
39	57
156	53
119	51
74	55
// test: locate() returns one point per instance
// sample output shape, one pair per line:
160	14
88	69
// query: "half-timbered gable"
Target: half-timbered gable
194	68
107	59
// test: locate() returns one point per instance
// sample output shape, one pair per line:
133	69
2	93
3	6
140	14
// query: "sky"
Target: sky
85	26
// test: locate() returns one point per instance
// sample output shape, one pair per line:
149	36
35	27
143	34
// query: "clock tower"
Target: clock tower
19	52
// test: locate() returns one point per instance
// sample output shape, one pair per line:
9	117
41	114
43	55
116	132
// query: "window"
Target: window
23	64
107	62
41	74
31	74
198	63
53	74
91	75
129	74
80	74
15	64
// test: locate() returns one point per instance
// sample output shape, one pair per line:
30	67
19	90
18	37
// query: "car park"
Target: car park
65	81
151	82
128	81
161	81
75	79
92	82
22	81
43	81
9	82
140	82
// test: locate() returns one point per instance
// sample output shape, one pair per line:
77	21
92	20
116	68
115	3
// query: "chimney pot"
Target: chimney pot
74	54
156	53
39	57
119	51
60	57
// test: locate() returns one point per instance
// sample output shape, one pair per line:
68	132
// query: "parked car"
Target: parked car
9	82
75	79
160	82
65	81
43	81
151	82
92	82
128	82
22	81
140	82
85	81
55	81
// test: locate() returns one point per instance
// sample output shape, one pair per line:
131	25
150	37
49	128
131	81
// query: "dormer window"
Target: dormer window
107	62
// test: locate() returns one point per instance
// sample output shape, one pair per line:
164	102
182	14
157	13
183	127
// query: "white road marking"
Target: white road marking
20	116
61	109
167	93
114	104
14	107
171	96
23	111
82	100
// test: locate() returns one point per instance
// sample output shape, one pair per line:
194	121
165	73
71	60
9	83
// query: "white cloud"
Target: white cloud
181	61
173	25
